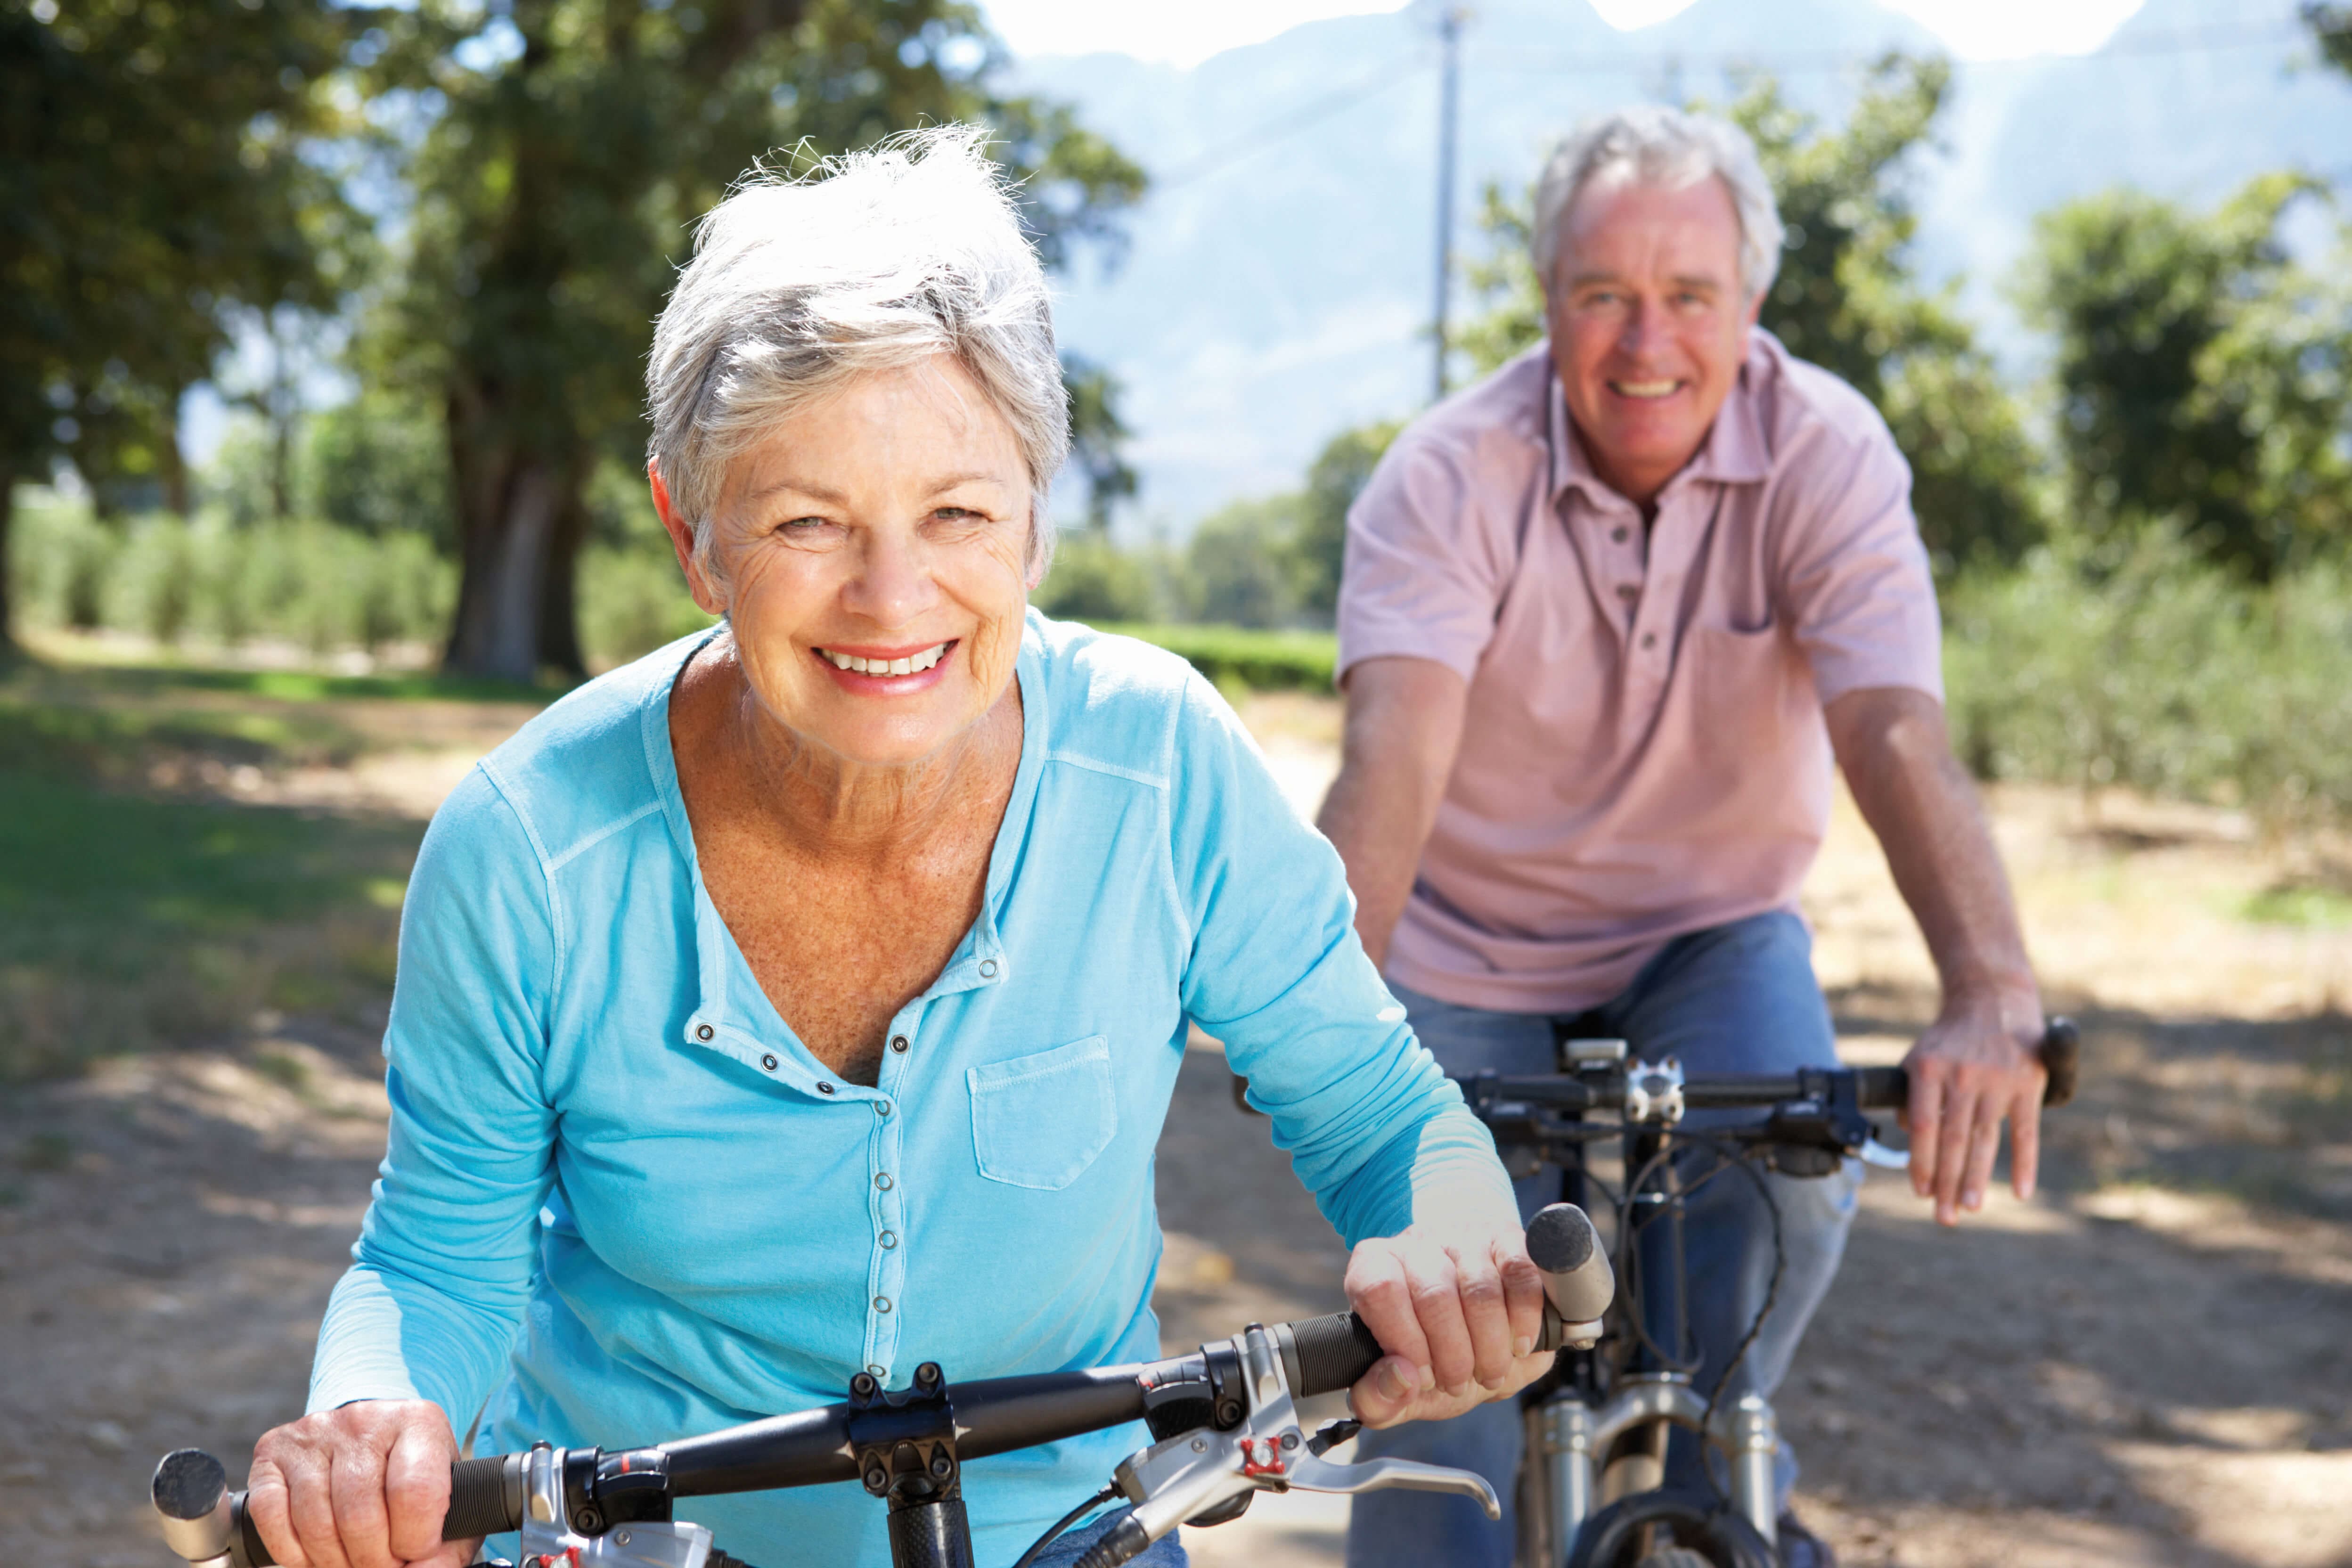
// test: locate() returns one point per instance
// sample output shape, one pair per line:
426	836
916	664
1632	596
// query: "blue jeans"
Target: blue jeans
1740	998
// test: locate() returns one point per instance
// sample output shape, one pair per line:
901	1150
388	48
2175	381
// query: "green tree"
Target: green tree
1337	478
2331	28
380	464
2200	375
553	198
153	175
1237	566
1846	298
1094	580
1503	281
1098	438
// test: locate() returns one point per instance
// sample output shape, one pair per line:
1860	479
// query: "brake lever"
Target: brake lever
1874	1152
1198	1472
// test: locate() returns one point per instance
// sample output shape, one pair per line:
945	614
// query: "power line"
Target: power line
2165	41
1235	149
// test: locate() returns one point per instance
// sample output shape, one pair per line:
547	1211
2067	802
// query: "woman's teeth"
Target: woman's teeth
914	664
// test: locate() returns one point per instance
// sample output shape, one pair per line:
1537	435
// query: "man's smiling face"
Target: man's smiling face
1649	324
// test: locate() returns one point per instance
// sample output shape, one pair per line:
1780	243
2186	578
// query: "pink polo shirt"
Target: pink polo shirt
1644	753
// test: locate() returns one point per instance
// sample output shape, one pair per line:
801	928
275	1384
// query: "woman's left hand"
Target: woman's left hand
1459	1307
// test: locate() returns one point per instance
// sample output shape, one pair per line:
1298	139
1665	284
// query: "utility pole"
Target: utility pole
1449	32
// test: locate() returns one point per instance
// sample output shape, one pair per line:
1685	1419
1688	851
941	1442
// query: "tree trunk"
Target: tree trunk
8	590
521	515
171	466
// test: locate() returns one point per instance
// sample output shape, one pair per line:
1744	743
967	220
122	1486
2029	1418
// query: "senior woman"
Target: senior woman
805	997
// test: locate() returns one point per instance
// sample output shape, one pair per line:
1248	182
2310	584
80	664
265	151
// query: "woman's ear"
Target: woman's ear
681	542
1038	562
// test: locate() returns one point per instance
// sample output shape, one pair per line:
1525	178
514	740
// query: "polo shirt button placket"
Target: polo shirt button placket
889	1271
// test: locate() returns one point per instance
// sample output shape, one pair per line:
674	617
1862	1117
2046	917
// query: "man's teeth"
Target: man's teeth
1646	388
913	665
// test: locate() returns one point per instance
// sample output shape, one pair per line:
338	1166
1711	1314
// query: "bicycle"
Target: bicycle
1224	1420
1596	1424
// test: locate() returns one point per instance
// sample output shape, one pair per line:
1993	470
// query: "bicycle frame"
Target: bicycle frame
1816	1118
1570	1430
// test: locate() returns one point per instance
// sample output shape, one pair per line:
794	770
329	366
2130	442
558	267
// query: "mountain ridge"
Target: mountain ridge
1275	293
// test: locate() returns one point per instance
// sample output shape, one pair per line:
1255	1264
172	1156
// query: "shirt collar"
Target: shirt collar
1734	452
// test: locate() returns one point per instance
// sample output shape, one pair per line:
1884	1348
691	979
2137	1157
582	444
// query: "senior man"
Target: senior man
1606	618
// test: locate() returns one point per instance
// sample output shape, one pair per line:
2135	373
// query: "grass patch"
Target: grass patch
162	678
1260	660
2304	906
137	911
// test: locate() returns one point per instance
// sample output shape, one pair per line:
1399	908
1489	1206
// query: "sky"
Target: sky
1186	32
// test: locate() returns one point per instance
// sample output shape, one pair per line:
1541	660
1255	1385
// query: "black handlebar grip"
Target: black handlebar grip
1334	1352
1881	1088
2062	1056
255	1552
478	1501
2061	1050
479	1505
1575	1265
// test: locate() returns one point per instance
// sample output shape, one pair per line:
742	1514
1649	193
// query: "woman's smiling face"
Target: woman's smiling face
871	554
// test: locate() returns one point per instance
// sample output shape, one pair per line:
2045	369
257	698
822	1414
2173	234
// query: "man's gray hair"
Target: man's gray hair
1654	145
873	262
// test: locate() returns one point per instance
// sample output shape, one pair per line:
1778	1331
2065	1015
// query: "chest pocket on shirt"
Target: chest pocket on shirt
1039	1120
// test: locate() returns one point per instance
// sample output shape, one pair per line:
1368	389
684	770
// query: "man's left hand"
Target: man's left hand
1974	1067
1459	1307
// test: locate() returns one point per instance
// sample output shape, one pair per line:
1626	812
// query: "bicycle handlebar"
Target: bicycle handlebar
1875	1088
993	1416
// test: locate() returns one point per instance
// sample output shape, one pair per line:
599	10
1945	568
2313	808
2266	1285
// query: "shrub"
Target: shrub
323	587
1262	659
632	599
2162	674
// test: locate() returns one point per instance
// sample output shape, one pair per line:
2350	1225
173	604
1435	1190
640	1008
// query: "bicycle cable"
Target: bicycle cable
1062	1525
1672	1360
1741	1160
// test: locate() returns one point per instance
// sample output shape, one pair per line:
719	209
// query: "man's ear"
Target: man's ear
681	543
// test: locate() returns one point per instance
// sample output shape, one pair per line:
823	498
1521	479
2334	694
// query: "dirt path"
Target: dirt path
2150	1365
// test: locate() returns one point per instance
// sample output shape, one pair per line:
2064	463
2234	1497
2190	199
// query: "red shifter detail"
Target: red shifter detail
1271	1465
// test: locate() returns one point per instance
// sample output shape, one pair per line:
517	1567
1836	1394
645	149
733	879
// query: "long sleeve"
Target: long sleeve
1372	1126
444	1259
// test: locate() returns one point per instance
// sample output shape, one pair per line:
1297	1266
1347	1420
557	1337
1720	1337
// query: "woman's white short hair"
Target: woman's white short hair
872	261
1654	145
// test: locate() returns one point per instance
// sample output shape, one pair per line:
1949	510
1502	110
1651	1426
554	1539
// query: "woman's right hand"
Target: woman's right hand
365	1485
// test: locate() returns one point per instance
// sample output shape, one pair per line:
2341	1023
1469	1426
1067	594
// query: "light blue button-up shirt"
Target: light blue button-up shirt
623	1204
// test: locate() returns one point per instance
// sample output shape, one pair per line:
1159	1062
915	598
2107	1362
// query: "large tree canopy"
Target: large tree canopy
571	146
152	175
2203	379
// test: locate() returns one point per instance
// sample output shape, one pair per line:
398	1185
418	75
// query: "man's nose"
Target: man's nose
1644	330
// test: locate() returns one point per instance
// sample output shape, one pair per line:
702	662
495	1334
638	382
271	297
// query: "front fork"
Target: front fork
1567	1438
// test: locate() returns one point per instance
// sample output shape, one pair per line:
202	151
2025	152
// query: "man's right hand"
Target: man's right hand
365	1485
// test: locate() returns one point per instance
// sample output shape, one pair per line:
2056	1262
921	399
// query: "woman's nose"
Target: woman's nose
893	583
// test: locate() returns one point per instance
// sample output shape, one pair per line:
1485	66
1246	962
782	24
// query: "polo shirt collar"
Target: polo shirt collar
1734	452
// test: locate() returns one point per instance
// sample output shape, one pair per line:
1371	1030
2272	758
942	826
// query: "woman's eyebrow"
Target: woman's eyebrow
976	477
798	487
